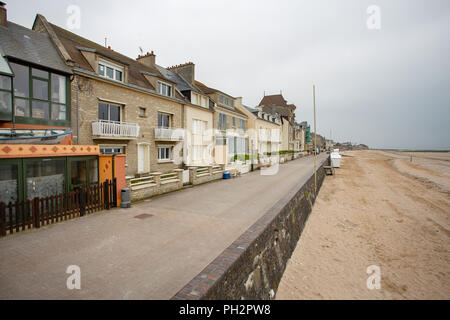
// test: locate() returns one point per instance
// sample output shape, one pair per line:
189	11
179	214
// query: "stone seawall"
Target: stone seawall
252	266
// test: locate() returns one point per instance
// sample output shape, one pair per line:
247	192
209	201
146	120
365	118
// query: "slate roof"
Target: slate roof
30	46
4	66
205	89
255	113
276	104
73	43
181	84
273	100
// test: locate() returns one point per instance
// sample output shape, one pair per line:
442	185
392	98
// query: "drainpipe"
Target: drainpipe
77	106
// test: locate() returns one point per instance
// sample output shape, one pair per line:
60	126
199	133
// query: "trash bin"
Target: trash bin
226	175
126	195
335	160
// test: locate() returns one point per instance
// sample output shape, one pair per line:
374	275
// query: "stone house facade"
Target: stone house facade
198	116
276	104
230	125
125	106
264	131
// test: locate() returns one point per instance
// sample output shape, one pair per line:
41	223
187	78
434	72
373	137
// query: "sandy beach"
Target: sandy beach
380	208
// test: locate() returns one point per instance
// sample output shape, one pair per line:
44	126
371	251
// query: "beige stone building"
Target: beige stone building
299	137
125	106
230	125
276	104
198	146
264	131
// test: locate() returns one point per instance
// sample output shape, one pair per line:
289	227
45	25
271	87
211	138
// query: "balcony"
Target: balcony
275	139
169	134
104	129
264	137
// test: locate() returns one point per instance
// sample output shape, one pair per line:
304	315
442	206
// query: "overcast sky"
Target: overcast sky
387	87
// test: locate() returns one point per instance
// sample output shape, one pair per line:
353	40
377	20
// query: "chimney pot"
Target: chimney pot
3	14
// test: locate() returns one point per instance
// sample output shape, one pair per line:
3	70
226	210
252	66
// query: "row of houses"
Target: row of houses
58	88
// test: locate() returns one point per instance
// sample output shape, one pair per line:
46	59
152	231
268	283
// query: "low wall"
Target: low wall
252	266
200	175
155	184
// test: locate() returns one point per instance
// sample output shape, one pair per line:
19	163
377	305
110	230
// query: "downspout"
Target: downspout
77	107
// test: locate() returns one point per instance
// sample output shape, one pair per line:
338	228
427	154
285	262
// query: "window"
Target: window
233	120
5	94
242	124
222	121
163	120
221	141
164	89
199	148
226	100
220	99
109	112
142	112
231	103
110	71
112	150
164	153
199	100
46	97
45	178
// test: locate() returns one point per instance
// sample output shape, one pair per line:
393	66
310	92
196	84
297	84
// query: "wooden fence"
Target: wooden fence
24	215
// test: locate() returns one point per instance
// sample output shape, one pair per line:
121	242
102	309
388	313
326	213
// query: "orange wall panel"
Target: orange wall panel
119	174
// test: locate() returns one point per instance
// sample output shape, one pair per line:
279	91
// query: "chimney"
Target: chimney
3	15
187	71
148	59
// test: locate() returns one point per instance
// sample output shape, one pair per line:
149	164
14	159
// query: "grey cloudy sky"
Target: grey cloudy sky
389	88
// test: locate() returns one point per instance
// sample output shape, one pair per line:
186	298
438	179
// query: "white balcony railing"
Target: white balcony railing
275	139
105	128
264	137
169	134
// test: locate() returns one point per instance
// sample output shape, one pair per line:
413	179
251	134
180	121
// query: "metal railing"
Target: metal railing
108	128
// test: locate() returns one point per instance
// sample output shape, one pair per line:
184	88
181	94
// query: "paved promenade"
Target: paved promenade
123	257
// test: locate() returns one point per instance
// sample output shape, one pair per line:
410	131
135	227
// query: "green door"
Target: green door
83	171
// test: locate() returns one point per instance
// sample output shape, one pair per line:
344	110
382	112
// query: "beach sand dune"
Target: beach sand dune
379	209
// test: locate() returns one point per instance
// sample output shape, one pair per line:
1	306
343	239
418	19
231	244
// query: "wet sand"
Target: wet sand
380	209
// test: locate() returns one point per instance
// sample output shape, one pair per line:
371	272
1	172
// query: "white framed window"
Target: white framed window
109	112
199	100
164	153
164	89
112	149
164	120
110	70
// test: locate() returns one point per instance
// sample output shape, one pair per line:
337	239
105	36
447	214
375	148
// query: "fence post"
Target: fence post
114	192
106	194
157	179
2	219
36	217
192	175
82	201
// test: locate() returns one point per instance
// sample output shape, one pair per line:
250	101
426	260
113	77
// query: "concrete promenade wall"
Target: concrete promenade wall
252	266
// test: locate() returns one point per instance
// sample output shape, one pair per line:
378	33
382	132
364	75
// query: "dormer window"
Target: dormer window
199	100
110	71
164	89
